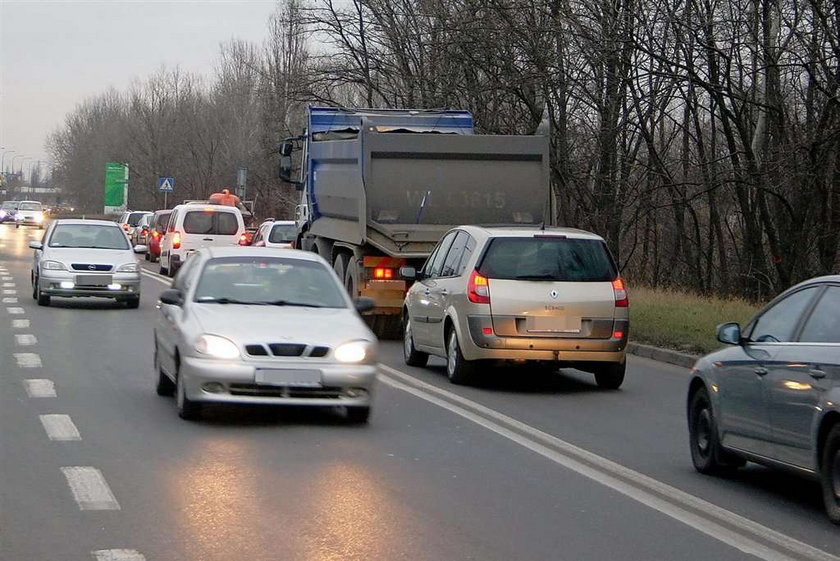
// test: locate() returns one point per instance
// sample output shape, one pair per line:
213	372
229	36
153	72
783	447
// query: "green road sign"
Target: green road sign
116	187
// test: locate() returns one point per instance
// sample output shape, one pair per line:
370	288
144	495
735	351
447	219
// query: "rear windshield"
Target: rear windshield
134	218
281	233
211	222
95	236
30	206
161	221
548	258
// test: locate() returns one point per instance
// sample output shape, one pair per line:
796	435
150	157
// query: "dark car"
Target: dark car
773	396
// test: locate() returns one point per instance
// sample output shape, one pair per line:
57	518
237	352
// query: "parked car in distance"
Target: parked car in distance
193	226
550	296
276	233
130	219
29	213
8	210
79	258
158	229
263	326
772	396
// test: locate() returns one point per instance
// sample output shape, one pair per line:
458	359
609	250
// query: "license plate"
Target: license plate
93	280
288	377
553	324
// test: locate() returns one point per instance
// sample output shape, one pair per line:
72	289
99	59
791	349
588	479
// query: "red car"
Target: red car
158	224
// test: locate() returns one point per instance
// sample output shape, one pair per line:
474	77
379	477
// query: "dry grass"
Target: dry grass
681	320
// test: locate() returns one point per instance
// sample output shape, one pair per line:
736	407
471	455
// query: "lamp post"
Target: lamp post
12	163
3	159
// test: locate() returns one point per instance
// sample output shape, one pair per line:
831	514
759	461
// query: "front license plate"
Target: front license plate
553	324
288	377
93	280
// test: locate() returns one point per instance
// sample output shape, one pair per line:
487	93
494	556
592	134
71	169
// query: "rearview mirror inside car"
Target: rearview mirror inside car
172	296
364	304
729	333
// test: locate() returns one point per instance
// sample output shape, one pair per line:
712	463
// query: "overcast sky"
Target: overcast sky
54	54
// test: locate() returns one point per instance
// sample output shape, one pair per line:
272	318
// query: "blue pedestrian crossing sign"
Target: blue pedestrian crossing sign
166	184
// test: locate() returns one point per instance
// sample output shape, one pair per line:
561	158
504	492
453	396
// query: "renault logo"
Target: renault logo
553	294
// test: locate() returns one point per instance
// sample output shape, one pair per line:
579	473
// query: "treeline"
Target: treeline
699	137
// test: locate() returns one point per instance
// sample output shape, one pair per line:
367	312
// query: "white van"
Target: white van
196	225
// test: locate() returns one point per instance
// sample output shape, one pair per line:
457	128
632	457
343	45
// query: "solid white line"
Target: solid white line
60	427
89	488
10	300
25	339
15	311
154	276
20	323
730	528
39	388
118	555
28	360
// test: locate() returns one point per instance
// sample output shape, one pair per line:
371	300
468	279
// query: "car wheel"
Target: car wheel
132	303
163	271
706	454
458	369
43	299
412	356
610	377
34	287
188	409
830	474
165	386
358	415
146	256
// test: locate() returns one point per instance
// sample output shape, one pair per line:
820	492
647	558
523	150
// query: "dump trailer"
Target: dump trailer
379	188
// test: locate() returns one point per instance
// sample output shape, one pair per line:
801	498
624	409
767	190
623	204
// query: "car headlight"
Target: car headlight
2	214
127	268
53	265
354	352
217	347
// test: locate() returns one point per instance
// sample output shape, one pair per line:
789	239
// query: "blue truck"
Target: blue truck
380	187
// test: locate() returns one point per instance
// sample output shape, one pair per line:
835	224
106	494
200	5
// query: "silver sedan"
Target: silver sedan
257	325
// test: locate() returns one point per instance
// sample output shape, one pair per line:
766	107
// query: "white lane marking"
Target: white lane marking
25	339
89	488
9	292
15	311
727	527
20	323
8	278
39	388
10	300
28	360
118	555
60	427
154	276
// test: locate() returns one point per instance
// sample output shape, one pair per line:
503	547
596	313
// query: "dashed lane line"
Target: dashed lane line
9	291
89	488
118	555
15	311
7	278
25	339
28	360
39	387
20	323
10	300
60	427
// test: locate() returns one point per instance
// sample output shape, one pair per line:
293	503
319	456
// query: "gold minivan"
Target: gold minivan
551	296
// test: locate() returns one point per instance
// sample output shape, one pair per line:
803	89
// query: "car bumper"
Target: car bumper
568	349
50	284
29	222
340	384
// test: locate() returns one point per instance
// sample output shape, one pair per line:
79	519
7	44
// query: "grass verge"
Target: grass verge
682	321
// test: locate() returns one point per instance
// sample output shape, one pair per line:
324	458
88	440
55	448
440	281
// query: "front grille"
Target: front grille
286	350
91	267
319	352
278	391
256	350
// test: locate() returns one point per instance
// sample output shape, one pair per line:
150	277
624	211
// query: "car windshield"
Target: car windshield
282	233
269	281
30	206
551	258
94	236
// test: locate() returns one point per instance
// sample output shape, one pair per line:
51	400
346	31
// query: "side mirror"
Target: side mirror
141	248
286	148
36	245
408	273
364	304
172	296
729	333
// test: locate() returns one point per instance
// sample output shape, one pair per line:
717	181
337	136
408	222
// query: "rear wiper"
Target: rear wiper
289	303
544	276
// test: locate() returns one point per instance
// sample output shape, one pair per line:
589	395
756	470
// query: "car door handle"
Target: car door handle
760	370
817	374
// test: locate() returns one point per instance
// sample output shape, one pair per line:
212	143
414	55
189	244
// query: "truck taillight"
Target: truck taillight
621	300
478	288
176	240
383	273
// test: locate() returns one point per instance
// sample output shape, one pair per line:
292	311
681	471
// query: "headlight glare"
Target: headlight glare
354	351
217	347
53	265
127	268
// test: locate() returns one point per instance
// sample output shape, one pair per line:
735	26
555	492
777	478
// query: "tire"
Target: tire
165	387
611	377
830	474
43	299
146	256
706	453
132	303
34	288
358	415
458	369
163	271
188	409
412	356
17	226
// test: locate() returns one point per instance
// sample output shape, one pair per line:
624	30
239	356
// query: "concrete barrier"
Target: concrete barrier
677	358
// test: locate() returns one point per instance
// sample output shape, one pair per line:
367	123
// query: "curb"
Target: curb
676	358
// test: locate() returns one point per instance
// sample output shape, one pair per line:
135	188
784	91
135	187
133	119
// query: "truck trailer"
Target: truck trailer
380	187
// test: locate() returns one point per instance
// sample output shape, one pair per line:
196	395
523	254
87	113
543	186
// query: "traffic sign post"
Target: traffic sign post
241	178
167	185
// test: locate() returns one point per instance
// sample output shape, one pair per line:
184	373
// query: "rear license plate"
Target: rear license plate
553	324
93	280
288	377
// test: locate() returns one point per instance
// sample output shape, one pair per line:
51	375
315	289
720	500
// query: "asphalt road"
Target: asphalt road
94	465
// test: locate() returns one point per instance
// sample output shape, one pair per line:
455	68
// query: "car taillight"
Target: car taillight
176	240
243	239
621	300
383	273
125	227
155	234
478	289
